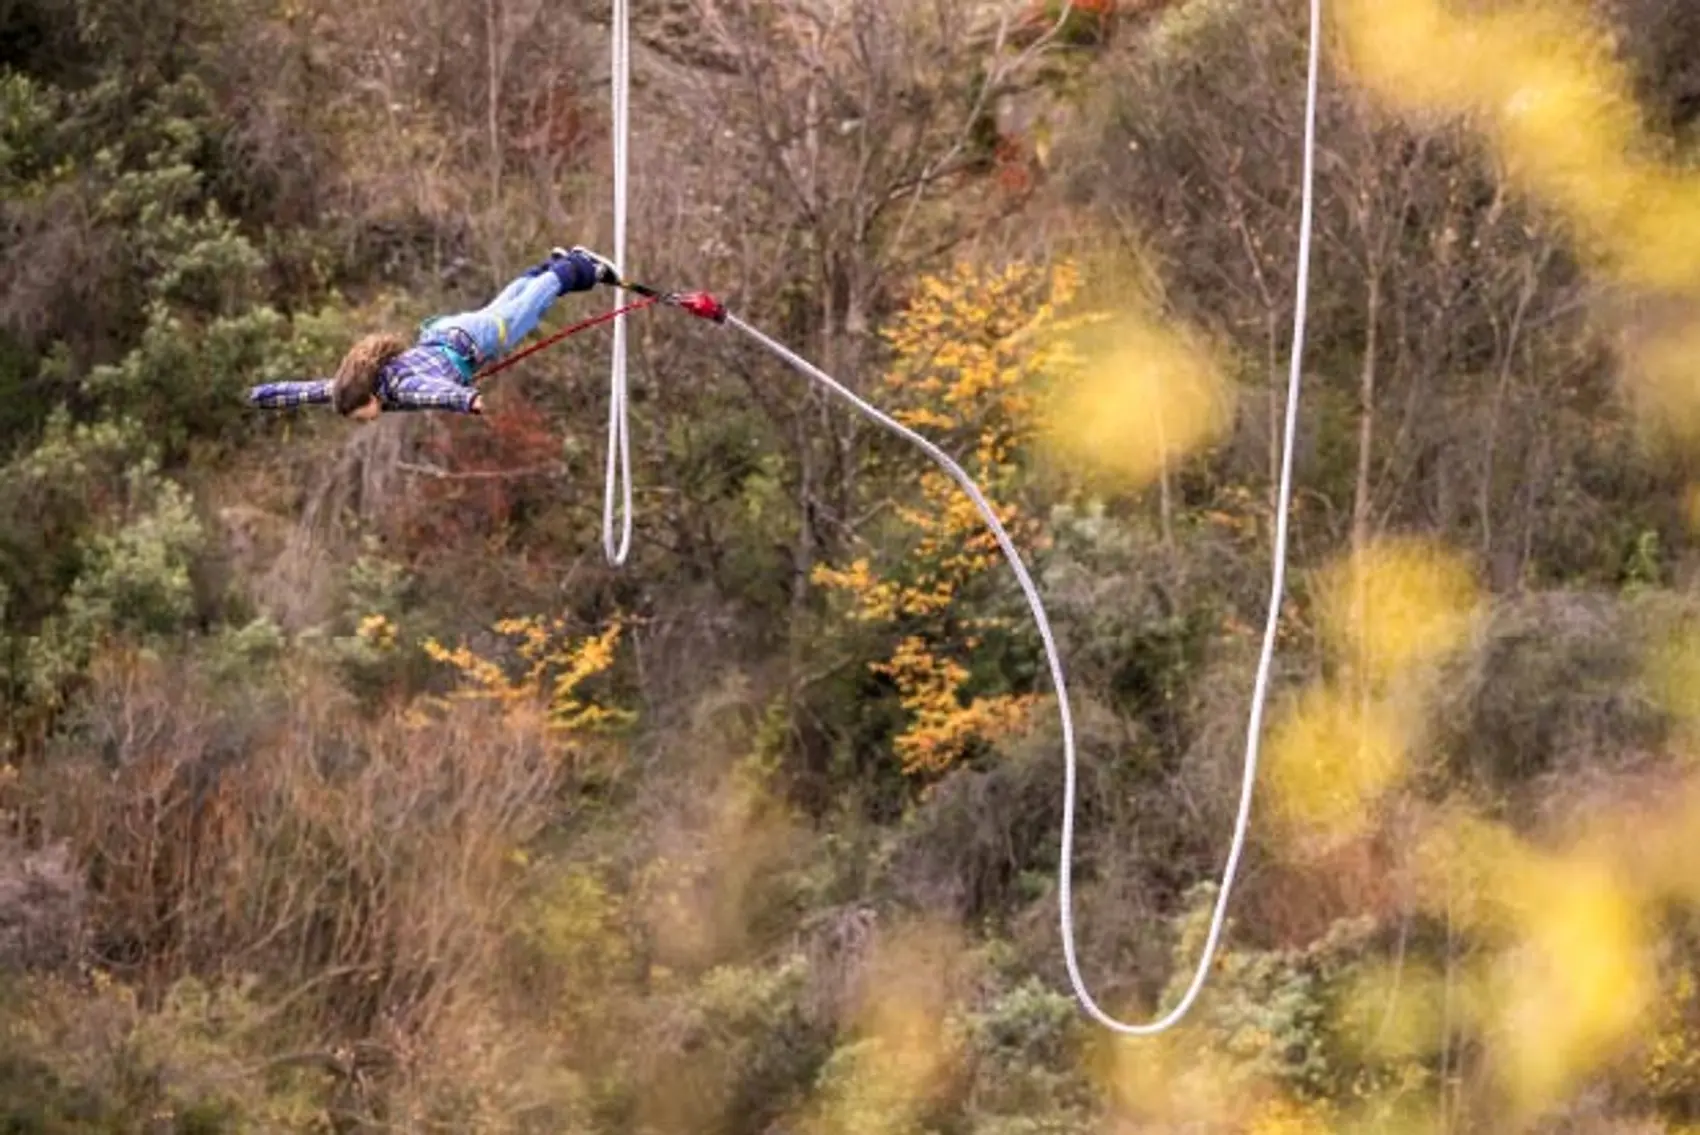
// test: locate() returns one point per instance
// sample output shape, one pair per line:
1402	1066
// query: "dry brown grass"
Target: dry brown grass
361	866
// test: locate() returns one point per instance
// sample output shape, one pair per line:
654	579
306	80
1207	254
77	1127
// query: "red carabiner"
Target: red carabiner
702	305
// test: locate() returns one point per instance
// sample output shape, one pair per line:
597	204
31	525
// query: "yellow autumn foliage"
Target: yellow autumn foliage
1398	1012
1571	980
903	1054
1282	1116
1671	1067
1395	605
1145	396
941	727
1331	758
971	352
1541	80
1385	611
556	665
1179	1081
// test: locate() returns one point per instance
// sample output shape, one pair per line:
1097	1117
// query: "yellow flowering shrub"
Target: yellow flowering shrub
556	665
970	352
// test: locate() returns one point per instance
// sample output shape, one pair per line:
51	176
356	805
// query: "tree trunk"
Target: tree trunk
1361	495
1165	499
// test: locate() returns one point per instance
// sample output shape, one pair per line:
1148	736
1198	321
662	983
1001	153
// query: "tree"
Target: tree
970	353
858	131
1448	318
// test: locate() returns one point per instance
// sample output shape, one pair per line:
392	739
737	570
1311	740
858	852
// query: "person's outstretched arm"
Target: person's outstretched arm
425	392
284	395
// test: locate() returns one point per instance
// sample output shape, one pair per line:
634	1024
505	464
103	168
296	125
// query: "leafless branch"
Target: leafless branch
480	474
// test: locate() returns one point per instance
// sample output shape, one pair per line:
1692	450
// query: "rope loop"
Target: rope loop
619	476
705	306
1052	655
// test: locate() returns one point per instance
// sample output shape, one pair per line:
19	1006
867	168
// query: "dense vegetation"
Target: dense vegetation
345	787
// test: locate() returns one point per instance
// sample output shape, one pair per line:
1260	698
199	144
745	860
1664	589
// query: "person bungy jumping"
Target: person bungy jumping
435	372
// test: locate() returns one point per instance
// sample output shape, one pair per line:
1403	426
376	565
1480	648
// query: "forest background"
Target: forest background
345	787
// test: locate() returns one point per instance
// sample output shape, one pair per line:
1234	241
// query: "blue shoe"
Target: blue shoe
576	273
559	253
606	272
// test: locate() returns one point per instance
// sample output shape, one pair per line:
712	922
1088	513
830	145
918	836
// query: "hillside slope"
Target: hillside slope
346	787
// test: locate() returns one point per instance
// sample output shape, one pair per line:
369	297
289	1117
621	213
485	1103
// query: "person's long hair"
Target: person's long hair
356	380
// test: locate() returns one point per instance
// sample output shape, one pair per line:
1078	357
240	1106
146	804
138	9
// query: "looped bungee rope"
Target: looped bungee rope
705	306
619	476
1254	728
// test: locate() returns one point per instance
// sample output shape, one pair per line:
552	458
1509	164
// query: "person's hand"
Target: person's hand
477	405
